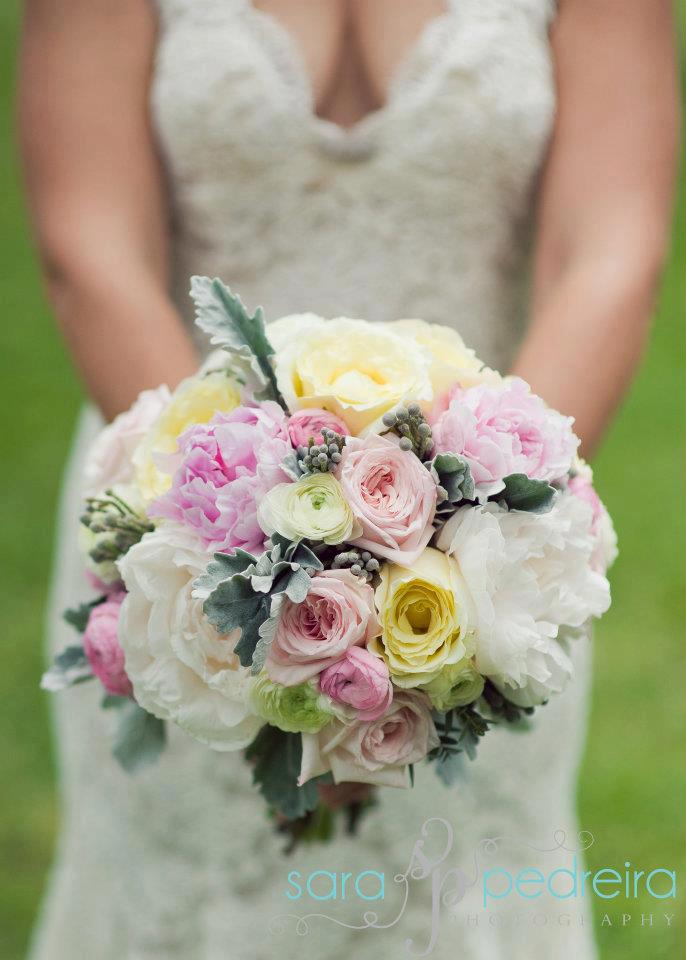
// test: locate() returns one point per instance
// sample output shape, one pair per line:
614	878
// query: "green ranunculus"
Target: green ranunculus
312	508
299	709
456	685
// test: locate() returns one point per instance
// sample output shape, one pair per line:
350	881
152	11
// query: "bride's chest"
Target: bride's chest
472	96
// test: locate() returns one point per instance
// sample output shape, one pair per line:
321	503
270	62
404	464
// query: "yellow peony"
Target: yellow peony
423	617
195	400
451	360
352	368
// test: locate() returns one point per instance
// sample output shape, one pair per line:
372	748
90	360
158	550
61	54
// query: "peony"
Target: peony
456	685
101	646
109	459
195	400
299	709
505	429
376	751
451	360
393	496
581	485
337	613
180	667
222	470
307	424
355	369
527	576
423	618
312	508
361	681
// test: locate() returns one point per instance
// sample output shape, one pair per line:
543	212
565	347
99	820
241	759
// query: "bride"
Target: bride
502	166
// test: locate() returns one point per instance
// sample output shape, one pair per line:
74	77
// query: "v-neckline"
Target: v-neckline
354	141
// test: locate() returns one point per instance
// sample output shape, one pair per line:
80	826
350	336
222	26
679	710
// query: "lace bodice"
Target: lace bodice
422	209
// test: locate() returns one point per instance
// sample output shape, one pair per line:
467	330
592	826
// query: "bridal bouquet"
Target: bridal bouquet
342	547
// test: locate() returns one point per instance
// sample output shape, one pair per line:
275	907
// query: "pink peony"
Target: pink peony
505	429
308	424
338	613
222	470
109	460
605	552
101	646
360	680
393	496
375	751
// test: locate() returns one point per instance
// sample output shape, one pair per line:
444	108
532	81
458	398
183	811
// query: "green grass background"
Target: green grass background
633	789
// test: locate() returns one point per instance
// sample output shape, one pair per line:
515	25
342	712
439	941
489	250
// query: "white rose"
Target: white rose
529	575
110	458
180	667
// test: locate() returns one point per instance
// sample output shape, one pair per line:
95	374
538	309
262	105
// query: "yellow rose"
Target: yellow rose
456	685
355	369
423	617
195	400
451	360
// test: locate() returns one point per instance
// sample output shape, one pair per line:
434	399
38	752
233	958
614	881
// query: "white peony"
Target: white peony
180	667
529	575
110	458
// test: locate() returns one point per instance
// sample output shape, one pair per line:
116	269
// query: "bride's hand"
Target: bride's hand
339	795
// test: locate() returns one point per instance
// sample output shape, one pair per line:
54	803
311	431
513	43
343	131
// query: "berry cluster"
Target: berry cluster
321	457
410	424
113	516
360	563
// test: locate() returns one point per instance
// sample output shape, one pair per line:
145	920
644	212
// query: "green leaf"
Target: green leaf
277	757
140	738
69	667
522	493
452	472
222	315
78	617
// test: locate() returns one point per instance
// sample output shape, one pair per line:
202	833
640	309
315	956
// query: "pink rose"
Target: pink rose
360	680
109	460
377	751
505	429
337	613
308	424
393	496
101	646
222	470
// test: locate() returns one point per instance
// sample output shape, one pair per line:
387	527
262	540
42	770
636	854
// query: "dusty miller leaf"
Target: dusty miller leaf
69	667
522	493
277	758
140	738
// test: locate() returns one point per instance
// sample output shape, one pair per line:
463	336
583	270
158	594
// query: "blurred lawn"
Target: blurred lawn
634	779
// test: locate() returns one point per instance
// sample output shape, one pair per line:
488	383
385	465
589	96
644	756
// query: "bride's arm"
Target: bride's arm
605	204
96	192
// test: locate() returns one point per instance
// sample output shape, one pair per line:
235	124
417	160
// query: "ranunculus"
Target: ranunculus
312	508
424	618
307	424
101	646
180	667
221	472
528	575
359	680
374	751
581	485
502	430
299	709
391	494
195	400
456	685
451	360
337	613
109	459
356	369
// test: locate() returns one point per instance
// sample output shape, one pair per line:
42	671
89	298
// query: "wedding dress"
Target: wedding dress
422	209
